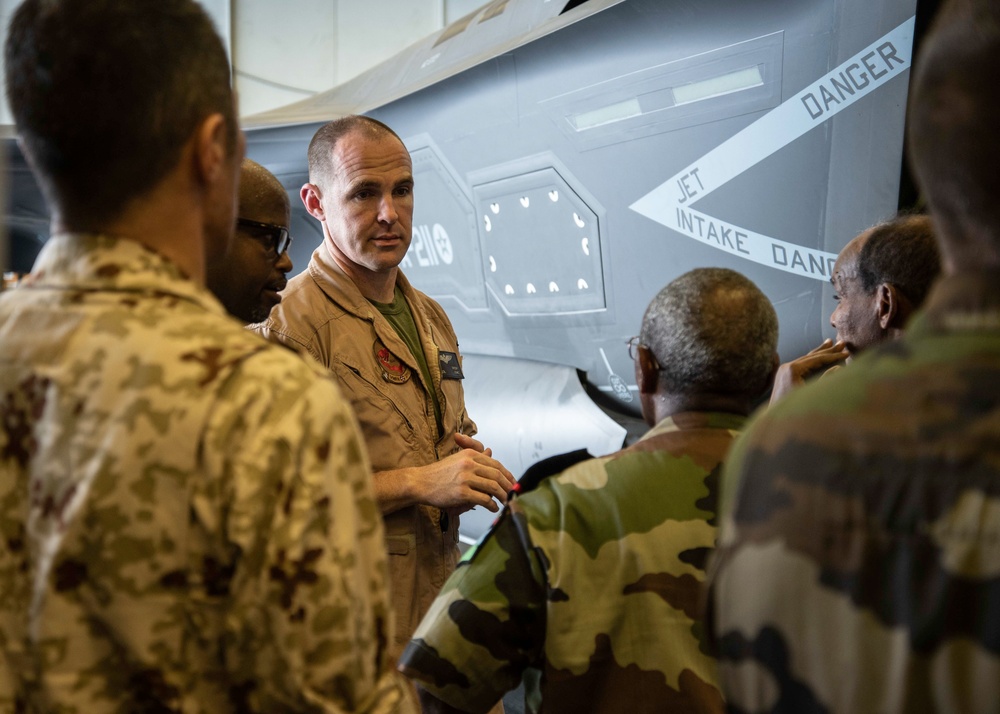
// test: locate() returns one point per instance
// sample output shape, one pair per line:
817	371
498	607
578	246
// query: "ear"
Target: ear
210	148
649	370
775	365
887	301
312	199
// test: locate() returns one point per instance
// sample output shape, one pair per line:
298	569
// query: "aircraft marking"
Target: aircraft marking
616	383
670	203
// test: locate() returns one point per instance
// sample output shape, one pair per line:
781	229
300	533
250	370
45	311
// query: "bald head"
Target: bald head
954	151
248	281
260	190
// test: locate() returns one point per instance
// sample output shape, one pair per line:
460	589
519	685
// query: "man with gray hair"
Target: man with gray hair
562	591
881	277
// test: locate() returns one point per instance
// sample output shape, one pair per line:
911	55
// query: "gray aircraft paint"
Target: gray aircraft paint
545	241
564	175
670	203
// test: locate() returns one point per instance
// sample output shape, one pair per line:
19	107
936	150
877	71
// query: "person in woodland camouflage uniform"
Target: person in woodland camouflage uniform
858	567
587	586
186	516
248	281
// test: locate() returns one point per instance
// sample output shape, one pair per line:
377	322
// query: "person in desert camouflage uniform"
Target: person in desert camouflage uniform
859	559
588	584
186	516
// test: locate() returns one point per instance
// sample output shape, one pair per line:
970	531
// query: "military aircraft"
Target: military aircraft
572	157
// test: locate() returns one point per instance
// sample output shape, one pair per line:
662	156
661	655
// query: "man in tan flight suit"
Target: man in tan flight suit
394	353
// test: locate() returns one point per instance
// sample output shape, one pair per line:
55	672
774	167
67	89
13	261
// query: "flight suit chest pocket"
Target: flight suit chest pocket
382	408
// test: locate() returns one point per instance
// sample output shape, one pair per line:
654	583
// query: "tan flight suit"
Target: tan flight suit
323	313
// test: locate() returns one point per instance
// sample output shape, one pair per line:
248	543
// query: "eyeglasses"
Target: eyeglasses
633	343
633	350
278	237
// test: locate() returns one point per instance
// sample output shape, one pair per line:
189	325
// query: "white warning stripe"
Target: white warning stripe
670	203
753	246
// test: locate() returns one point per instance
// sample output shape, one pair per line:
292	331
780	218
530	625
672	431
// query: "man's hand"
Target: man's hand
793	374
466	479
467	442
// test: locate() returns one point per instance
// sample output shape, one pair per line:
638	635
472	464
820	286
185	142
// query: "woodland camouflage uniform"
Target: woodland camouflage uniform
186	514
588	586
858	567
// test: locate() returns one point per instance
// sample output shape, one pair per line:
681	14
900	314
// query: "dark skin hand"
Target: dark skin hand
794	374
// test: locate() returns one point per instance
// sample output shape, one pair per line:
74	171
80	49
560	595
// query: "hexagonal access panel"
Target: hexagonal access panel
443	259
540	243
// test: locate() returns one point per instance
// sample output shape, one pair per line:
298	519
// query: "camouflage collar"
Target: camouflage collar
682	421
87	262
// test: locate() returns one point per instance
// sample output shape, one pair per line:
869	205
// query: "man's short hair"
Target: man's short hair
952	127
325	140
712	331
106	93
902	252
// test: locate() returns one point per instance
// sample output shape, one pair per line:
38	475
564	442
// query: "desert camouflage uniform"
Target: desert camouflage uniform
859	570
588	586
186	518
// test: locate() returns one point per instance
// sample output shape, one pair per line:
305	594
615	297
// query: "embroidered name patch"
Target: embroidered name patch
392	369
451	368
